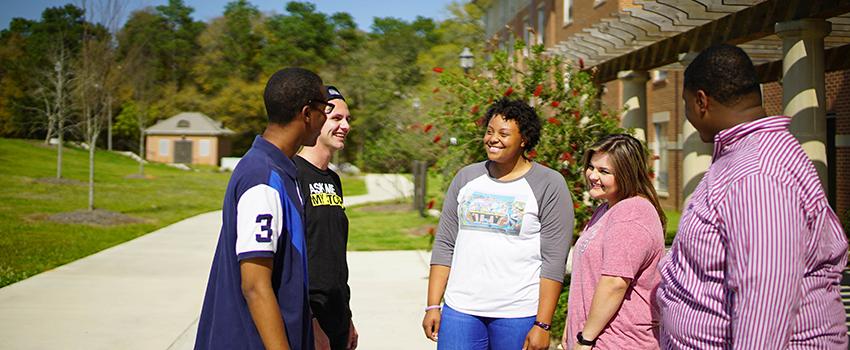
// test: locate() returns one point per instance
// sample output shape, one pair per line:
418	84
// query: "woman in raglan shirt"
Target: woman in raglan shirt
615	274
499	254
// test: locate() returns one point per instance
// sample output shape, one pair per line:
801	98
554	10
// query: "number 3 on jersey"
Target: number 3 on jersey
266	227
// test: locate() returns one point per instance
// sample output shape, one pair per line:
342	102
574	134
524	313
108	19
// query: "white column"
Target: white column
696	155
634	99
803	91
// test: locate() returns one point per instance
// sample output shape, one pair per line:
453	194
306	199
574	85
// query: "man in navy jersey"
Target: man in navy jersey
257	294
327	231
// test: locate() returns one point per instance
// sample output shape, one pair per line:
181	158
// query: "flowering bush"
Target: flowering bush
564	96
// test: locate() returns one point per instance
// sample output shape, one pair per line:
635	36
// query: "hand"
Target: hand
321	340
352	337
577	346
431	324
537	339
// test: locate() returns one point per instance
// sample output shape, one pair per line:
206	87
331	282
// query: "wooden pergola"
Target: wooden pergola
655	34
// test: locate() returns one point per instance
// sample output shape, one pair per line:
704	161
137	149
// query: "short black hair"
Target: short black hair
288	90
524	115
724	72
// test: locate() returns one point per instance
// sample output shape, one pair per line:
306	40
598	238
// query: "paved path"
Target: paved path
147	293
382	187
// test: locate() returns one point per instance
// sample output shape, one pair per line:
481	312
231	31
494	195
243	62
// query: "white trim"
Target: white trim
567	15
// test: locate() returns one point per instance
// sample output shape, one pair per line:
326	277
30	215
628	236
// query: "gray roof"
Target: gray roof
188	123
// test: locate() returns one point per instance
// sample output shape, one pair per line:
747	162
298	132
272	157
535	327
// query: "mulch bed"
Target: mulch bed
97	217
55	181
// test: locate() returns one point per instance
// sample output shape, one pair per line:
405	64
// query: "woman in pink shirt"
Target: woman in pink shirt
614	274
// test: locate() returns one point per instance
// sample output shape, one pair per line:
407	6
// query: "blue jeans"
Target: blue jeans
459	331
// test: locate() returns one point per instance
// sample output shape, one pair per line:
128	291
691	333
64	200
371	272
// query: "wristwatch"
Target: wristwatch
545	326
583	341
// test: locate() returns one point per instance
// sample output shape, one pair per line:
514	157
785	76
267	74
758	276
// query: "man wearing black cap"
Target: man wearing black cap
327	231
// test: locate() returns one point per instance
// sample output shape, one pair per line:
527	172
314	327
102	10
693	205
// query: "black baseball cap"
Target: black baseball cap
333	93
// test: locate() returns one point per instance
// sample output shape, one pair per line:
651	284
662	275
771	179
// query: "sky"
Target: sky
362	10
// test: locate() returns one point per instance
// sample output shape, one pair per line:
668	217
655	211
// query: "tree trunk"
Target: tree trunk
142	152
91	175
61	131
109	122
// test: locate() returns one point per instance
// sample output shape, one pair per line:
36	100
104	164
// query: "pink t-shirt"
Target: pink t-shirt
626	241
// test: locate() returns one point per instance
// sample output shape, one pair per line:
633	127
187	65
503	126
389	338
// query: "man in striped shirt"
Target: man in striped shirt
757	261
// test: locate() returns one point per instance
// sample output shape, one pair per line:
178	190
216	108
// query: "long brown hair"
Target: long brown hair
631	173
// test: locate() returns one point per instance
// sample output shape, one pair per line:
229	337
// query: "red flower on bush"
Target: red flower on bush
509	91
577	115
437	70
428	127
567	156
581	63
474	109
555	104
574	146
438	138
538	90
576	205
651	174
431	204
553	120
532	154
436	90
431	231
575	93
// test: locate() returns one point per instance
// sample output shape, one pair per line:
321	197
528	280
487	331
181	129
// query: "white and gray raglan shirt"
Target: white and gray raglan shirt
501	237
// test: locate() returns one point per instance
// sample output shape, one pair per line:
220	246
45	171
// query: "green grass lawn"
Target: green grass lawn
388	226
353	185
30	243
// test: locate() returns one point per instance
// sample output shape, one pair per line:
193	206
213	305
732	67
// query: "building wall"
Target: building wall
838	102
152	152
585	14
663	101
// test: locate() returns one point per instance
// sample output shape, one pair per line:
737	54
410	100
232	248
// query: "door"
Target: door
183	151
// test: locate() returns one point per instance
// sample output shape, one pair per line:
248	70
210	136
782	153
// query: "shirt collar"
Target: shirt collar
280	159
725	139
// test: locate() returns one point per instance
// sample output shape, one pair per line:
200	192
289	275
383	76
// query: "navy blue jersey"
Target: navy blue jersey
262	217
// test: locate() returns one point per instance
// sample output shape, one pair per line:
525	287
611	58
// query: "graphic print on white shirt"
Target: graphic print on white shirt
491	213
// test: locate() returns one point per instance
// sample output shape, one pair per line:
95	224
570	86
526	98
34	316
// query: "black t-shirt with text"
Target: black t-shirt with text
327	237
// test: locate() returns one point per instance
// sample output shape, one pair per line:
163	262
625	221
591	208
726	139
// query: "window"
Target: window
163	147
541	25
568	12
658	76
659	149
183	123
204	148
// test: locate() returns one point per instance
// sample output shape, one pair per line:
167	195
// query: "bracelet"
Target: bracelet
545	326
583	341
432	307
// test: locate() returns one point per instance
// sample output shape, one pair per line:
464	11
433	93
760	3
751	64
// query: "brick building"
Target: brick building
188	138
640	49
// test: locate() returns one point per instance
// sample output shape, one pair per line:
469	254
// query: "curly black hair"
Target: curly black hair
725	73
524	115
288	90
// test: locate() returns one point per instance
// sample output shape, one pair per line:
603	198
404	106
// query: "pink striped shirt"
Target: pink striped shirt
757	261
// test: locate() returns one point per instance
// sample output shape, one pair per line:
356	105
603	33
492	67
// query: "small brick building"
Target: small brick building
188	138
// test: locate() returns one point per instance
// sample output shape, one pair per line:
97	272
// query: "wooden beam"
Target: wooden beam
740	27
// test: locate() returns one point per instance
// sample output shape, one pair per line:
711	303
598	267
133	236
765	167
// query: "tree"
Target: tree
231	46
54	91
300	38
97	76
